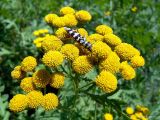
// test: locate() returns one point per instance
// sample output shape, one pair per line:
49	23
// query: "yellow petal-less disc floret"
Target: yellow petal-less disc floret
137	61
50	17
28	64
82	32
17	74
127	71
133	117
35	99
70	20
62	34
38	41
51	43
41	78
106	81
94	38
67	10
82	65
108	116
58	22
103	29
40	32
83	16
111	64
112	39
129	110
126	51
70	51
50	101
52	58
18	103
142	109
27	84
57	80
100	50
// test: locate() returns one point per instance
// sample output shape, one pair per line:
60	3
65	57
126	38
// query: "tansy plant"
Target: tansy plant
64	57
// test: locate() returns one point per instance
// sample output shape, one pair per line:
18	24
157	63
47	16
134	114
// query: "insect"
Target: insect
80	39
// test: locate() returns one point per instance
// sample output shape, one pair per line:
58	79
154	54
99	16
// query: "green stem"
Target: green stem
86	85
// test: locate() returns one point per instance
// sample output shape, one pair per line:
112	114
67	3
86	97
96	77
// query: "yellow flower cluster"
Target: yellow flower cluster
69	17
108	116
108	55
140	113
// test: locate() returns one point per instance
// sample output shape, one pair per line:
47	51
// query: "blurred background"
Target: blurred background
135	21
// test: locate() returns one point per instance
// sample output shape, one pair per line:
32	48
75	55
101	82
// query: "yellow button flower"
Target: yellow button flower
70	20
58	22
57	80
82	65
127	71
94	38
40	32
103	29
129	110
137	61
126	51
28	64
83	32
18	103
62	34
106	81
108	116
50	101
83	16
50	17
51	43
111	64
67	10
41	78
133	117
52	58
17	74
27	84
100	50
112	39
70	51
35	99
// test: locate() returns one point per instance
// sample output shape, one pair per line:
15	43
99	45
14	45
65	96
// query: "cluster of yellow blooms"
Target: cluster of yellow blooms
109	53
108	116
140	113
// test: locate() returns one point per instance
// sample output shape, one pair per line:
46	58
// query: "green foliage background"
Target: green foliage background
19	18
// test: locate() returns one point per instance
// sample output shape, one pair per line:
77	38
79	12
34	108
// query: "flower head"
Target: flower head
111	64
70	51
51	43
28	64
35	98
108	116
70	20
134	9
57	80
103	29
41	78
50	17
52	58
38	41
127	71
82	65
17	74
40	32
129	110
106	81
137	61
82	32
58	22
94	38
126	51
83	16
100	50
112	39
18	103
67	10
27	84
62	34
50	101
